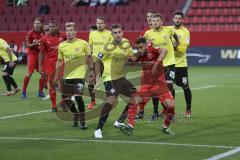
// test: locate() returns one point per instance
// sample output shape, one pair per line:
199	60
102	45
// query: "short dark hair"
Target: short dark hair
141	40
70	24
102	18
115	26
52	21
151	11
37	19
158	15
178	13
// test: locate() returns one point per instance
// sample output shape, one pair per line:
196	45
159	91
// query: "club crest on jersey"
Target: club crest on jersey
165	37
100	55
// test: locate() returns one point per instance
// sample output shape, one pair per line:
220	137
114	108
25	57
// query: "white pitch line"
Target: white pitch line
43	111
115	141
24	114
225	154
198	88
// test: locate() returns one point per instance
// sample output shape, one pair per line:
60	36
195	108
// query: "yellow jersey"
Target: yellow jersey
184	41
97	40
4	51
161	38
114	57
74	54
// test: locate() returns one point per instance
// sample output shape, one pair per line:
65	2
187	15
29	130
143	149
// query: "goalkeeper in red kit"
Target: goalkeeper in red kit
153	85
49	52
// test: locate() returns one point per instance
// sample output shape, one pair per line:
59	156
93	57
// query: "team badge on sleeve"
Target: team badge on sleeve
100	55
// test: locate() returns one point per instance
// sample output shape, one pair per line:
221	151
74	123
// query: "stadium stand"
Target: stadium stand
212	15
20	18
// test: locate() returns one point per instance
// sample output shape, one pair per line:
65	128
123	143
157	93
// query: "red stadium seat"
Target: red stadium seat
195	4
212	4
203	4
216	12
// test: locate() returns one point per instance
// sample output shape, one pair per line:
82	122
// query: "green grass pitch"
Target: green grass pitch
213	129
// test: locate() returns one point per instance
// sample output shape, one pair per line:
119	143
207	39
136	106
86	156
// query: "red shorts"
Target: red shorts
146	92
32	62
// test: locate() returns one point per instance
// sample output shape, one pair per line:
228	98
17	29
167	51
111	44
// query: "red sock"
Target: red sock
41	84
53	97
169	116
132	110
25	83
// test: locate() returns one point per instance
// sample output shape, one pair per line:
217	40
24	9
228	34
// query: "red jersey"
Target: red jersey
31	36
143	32
49	47
148	60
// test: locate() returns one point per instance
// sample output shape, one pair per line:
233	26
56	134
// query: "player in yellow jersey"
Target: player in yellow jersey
114	57
74	53
181	70
160	36
10	61
97	39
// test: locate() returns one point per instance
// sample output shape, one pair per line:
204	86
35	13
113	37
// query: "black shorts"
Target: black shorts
119	86
73	86
9	69
181	76
169	72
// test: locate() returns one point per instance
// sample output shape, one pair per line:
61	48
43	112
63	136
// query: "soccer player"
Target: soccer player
113	58
32	42
140	113
74	53
43	72
49	52
181	70
150	13
10	61
153	84
97	39
160	36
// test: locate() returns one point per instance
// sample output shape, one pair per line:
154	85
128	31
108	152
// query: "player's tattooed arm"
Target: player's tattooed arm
40	61
162	54
29	44
175	45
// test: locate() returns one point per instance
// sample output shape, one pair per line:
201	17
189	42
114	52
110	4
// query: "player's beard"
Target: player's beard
177	25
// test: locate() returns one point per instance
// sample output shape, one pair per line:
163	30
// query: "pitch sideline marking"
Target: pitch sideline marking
24	114
44	111
225	154
116	141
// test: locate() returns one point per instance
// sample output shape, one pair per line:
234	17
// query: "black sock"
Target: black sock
7	82
172	90
155	102
81	109
91	93
104	115
12	82
188	98
123	116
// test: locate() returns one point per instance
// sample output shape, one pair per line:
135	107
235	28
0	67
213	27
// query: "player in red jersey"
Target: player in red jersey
150	13
32	42
49	52
153	85
155	101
